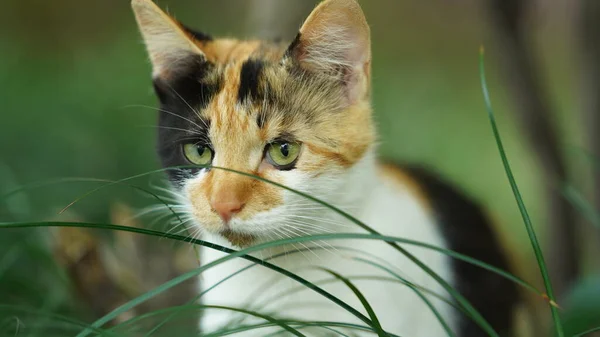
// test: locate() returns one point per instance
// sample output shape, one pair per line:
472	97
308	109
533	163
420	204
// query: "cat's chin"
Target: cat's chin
238	239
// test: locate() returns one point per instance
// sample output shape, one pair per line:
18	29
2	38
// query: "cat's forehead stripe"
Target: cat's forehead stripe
250	74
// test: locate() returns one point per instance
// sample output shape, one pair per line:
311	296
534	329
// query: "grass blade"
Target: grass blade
238	329
321	282
41	184
526	219
280	323
416	290
14	310
581	203
362	300
587	332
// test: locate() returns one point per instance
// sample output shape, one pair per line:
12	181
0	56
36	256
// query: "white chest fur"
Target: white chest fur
386	206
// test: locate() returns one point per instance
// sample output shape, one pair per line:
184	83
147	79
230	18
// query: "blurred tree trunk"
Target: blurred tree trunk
277	19
535	115
590	73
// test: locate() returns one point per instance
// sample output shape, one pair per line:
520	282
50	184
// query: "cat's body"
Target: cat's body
378	203
404	202
300	116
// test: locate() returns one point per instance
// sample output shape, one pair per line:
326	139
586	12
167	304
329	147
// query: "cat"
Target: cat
299	114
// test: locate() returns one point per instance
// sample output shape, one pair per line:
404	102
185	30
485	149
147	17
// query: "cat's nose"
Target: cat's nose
227	209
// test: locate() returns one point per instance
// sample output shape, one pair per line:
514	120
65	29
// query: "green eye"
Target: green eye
198	154
283	155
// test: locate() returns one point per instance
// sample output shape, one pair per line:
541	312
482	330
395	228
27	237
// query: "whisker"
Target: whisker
304	208
167	112
194	235
183	223
159	218
183	100
287	235
191	131
310	226
326	221
316	242
287	229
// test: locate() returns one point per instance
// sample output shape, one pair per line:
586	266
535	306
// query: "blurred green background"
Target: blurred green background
73	74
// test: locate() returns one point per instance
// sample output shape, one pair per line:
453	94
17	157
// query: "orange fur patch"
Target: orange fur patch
327	157
224	51
402	178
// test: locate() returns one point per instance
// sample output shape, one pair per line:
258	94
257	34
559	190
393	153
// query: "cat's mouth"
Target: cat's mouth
241	240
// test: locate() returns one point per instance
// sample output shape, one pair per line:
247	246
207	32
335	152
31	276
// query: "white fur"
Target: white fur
380	203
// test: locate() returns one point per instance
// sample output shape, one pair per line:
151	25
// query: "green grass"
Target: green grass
513	184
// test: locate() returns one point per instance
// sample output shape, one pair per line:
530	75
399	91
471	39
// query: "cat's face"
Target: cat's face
297	115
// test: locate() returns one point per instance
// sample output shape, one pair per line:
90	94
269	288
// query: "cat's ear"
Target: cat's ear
336	37
170	45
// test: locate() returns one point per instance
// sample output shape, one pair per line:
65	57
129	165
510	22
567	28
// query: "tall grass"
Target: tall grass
513	184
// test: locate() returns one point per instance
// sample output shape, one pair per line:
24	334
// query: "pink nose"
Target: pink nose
227	209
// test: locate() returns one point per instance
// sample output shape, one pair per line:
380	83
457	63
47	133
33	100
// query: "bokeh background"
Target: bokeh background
74	75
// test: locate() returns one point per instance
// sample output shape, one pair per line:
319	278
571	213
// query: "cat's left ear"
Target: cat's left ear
171	46
336	38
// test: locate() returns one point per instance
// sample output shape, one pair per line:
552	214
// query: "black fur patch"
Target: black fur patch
250	80
188	85
182	96
468	231
175	130
171	138
295	43
196	34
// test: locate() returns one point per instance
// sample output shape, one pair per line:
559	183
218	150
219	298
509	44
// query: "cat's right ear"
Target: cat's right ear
171	47
336	39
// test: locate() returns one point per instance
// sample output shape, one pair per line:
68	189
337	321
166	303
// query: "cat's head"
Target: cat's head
297	114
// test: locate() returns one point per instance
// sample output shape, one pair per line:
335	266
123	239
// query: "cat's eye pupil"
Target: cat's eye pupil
285	149
200	149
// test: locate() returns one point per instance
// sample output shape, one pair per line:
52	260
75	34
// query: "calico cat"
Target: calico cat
299	114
